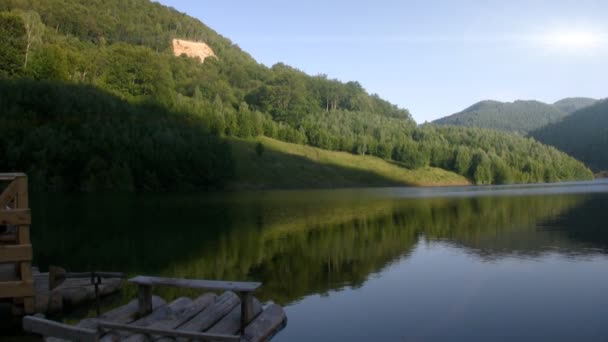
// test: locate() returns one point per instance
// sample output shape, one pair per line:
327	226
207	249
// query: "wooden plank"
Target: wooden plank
159	314
12	289
268	323
213	313
171	333
122	314
177	318
213	285
15	253
45	327
8	194
231	323
15	217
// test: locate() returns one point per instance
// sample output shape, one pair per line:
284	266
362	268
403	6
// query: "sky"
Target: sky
434	58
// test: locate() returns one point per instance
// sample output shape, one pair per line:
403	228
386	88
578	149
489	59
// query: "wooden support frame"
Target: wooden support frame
243	289
16	248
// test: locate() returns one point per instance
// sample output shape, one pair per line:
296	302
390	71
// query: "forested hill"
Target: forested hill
572	104
584	134
93	97
519	116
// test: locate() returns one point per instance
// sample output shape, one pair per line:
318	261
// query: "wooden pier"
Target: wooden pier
229	312
234	315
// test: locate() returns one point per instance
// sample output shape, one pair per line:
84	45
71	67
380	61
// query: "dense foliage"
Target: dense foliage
79	138
584	135
485	156
519	116
120	51
572	104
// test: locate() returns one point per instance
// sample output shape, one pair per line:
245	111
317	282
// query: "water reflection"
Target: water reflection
310	242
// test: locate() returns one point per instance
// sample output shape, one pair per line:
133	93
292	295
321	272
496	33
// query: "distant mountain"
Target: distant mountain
519	116
572	104
583	135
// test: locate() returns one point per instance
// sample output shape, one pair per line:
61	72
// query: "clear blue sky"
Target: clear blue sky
432	57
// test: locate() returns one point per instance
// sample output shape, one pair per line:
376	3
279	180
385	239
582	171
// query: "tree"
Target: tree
34	29
12	44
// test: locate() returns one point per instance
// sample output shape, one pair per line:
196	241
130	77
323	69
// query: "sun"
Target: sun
574	39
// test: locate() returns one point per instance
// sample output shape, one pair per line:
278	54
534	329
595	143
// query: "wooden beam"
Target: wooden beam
11	289
268	323
10	176
49	328
8	194
23	235
15	217
214	285
22	192
166	332
15	253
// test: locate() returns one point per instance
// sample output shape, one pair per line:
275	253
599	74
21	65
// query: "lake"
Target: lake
498	263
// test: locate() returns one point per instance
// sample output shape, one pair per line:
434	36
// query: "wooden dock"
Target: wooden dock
234	315
229	312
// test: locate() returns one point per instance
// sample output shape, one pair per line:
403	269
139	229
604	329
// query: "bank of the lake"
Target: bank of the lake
265	163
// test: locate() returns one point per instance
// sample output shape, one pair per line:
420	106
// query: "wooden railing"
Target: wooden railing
15	245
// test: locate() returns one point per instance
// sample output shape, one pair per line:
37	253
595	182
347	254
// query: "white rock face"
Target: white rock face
192	49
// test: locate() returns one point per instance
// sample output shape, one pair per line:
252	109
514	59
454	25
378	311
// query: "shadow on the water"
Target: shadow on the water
300	243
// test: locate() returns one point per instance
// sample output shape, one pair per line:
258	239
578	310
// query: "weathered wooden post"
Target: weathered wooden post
144	297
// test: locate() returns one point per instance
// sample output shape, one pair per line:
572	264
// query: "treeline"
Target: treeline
518	117
583	135
484	156
75	138
120	50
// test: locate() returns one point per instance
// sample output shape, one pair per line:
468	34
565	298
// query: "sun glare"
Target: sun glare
574	39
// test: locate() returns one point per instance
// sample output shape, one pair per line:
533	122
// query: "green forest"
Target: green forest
93	98
584	134
519	117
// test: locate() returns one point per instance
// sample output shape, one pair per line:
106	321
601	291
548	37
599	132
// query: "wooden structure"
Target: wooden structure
55	291
235	315
16	283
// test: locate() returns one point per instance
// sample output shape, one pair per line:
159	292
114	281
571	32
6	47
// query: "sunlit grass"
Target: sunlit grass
285	165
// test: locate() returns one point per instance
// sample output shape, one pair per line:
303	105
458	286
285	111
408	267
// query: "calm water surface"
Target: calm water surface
504	263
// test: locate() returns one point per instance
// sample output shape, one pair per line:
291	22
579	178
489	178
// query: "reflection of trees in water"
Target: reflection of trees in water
297	246
301	257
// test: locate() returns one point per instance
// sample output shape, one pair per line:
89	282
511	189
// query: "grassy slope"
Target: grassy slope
289	166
